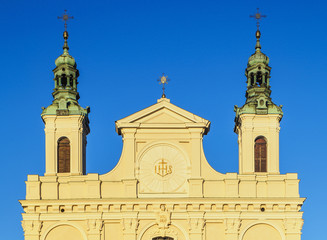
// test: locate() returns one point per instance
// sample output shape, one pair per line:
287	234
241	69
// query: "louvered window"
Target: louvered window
63	155
260	155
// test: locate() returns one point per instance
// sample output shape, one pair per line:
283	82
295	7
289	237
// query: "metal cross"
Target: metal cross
258	17
65	17
163	80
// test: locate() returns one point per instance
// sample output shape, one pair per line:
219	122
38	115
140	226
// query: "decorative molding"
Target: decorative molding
94	226
162	167
129	225
196	225
32	227
232	225
293	225
163	217
169	232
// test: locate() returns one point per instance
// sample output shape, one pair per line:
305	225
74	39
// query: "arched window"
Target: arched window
260	155
63	155
64	81
162	238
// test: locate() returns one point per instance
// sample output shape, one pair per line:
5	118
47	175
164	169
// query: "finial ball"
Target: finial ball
257	34
65	35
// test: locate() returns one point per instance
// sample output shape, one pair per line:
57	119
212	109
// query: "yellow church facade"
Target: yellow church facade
163	187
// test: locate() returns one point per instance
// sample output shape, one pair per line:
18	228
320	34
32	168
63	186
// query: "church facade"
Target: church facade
162	187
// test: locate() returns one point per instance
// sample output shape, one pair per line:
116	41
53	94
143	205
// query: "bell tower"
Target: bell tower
66	122
257	121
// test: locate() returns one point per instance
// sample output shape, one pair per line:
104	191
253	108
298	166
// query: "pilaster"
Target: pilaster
293	227
129	152
196	226
232	228
94	229
130	225
196	139
196	187
32	229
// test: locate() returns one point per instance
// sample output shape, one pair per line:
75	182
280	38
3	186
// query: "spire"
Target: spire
65	47
258	45
65	17
258	91
258	16
65	57
65	78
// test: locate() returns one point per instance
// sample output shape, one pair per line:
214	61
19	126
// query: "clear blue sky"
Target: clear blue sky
122	47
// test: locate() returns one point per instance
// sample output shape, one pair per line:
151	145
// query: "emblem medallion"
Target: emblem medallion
163	168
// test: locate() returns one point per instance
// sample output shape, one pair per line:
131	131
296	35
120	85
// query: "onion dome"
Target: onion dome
65	58
258	56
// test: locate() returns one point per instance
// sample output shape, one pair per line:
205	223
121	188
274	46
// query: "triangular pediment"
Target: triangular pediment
162	113
163	116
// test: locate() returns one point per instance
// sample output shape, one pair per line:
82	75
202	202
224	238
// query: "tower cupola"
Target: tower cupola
258	91
65	58
65	85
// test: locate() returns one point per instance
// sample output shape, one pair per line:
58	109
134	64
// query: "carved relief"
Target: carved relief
94	226
169	232
32	226
293	225
232	225
163	217
196	225
130	225
163	168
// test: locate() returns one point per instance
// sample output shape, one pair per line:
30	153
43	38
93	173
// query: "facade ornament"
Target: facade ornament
167	232
163	80
293	225
232	225
94	226
196	225
163	217
32	227
130	225
163	228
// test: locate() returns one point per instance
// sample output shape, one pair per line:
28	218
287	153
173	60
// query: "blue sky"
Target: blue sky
123	46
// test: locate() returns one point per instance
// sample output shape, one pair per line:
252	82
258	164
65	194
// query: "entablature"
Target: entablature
92	186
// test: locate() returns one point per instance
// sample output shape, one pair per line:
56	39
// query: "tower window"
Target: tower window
260	155
63	81
63	155
259	79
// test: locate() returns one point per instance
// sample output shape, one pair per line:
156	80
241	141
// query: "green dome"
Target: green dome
258	57
65	58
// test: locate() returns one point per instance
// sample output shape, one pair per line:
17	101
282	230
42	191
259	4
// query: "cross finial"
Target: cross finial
163	80
65	17
258	17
